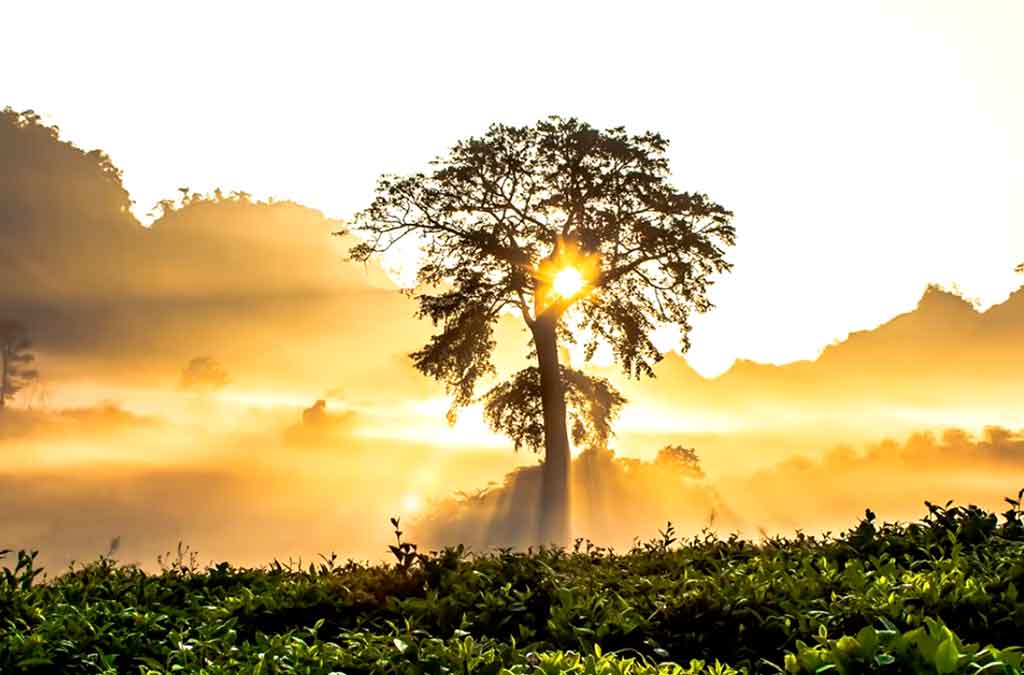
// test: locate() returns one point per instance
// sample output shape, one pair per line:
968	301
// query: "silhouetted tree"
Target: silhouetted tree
681	460
204	373
500	216
65	218
15	357
316	414
516	408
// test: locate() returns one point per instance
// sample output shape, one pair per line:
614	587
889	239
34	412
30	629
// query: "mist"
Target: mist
255	484
233	483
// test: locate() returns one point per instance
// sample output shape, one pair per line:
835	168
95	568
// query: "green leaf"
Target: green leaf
847	645
35	661
150	661
946	657
868	639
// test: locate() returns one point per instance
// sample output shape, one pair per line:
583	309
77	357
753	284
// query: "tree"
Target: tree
681	460
203	373
66	226
516	407
576	230
15	357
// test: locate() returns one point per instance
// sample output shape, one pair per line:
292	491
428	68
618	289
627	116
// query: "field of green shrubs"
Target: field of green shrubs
942	595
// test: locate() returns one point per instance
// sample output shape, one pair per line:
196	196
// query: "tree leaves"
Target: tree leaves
514	408
495	208
15	355
703	601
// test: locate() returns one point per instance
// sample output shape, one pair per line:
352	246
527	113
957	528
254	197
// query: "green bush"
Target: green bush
900	598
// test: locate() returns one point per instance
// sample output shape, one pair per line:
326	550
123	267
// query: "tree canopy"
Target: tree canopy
16	358
515	408
499	213
500	220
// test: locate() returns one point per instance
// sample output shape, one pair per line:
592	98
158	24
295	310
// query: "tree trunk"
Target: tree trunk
554	500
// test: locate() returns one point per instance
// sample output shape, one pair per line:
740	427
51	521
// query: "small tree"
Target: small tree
681	460
203	373
15	357
538	221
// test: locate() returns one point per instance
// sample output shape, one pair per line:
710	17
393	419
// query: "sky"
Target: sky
866	148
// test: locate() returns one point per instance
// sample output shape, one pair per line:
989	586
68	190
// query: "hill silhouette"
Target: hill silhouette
220	274
928	355
63	211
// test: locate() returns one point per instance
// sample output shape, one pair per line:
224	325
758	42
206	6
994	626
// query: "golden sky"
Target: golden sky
866	148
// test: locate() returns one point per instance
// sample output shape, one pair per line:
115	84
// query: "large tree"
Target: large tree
576	230
15	360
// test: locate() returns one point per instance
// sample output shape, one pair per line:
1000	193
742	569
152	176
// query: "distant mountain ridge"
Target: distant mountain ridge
941	320
942	349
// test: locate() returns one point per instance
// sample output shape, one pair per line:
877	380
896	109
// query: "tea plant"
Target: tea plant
941	595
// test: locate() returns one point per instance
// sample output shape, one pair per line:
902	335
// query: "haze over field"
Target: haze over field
184	348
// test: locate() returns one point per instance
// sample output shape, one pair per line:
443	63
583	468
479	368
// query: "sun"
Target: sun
568	282
567	273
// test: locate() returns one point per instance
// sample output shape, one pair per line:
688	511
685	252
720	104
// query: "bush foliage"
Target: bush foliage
942	595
